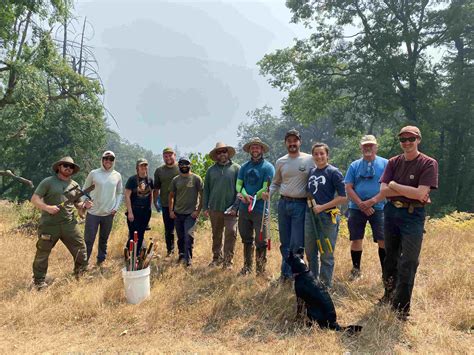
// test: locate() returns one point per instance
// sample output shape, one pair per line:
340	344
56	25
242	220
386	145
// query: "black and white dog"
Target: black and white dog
318	302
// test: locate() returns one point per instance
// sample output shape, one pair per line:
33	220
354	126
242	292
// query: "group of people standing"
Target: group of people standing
390	195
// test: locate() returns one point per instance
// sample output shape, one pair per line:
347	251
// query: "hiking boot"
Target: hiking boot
355	274
248	259
40	285
170	253
102	263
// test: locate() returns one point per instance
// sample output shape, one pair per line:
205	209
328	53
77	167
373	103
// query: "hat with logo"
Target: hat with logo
293	132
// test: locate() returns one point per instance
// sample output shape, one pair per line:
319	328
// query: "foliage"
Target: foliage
47	108
368	68
200	163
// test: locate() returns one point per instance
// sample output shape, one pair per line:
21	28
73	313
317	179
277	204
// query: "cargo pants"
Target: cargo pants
48	236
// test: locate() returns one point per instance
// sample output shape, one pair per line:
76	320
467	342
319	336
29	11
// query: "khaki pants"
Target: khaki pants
226	224
48	236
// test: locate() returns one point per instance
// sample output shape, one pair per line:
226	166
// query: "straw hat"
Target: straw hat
220	145
253	141
67	160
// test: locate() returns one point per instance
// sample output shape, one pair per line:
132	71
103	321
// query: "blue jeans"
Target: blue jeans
291	226
324	271
184	224
90	232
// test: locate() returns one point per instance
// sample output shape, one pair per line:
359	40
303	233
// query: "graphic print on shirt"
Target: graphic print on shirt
314	182
252	177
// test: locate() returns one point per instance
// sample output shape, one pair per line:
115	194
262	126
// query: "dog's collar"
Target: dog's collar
300	273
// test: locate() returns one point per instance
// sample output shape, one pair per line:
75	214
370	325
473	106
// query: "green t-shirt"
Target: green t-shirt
55	191
163	176
186	191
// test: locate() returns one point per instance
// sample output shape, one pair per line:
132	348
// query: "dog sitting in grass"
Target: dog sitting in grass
318	302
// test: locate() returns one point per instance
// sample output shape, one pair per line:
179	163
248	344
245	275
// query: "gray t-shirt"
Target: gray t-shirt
291	175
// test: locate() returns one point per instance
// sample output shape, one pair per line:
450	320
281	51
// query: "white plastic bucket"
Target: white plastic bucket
137	285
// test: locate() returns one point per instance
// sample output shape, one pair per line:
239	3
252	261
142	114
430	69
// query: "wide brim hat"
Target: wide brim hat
220	145
67	160
255	140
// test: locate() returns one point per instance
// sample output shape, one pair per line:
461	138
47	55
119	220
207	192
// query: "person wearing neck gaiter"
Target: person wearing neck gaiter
107	197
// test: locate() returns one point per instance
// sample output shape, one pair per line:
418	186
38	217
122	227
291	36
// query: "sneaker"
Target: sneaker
355	274
213	263
227	266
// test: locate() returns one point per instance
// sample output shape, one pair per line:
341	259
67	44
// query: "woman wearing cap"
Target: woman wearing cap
138	199
107	197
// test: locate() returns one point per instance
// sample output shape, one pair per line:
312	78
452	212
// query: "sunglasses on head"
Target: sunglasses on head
222	151
68	166
407	139
109	158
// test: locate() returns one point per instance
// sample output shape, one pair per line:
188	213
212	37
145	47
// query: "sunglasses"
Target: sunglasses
108	158
407	139
222	151
68	166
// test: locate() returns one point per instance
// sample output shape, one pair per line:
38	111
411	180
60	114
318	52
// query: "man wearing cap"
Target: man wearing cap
362	183
290	180
163	176
253	179
107	196
57	219
220	203
185	203
406	183
138	199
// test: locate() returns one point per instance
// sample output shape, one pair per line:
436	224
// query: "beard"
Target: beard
184	169
292	148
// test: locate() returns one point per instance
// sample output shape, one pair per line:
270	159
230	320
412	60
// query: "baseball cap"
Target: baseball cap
168	150
108	153
368	139
293	132
411	129
184	159
142	161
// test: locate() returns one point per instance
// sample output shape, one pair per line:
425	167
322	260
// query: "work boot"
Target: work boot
261	262
39	285
388	293
355	274
227	263
248	259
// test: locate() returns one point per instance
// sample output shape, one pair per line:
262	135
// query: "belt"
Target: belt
410	205
286	198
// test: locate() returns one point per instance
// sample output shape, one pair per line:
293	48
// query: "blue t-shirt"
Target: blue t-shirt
323	184
365	178
254	175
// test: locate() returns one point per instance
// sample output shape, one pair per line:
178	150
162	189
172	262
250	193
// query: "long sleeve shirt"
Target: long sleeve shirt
108	192
219	187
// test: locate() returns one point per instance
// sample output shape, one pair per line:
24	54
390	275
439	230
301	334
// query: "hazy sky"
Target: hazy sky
184	72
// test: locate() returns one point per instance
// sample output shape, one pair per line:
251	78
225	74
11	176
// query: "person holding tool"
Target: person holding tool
138	199
163	176
362	183
107	197
220	203
290	180
322	217
56	197
406	182
185	203
253	180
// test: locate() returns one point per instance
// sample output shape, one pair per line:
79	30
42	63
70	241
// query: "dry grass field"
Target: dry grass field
204	310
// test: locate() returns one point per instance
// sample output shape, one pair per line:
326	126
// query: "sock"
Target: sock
356	255
381	256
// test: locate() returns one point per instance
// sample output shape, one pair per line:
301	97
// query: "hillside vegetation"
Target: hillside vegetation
210	310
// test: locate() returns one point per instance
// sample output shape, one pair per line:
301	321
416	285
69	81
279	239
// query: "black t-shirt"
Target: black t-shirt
141	190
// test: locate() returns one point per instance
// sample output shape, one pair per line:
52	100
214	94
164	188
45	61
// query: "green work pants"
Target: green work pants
48	236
